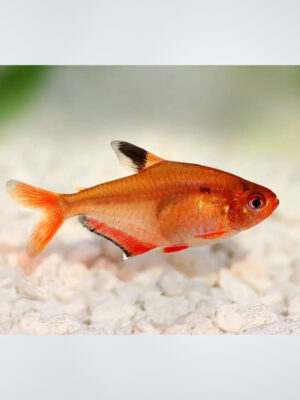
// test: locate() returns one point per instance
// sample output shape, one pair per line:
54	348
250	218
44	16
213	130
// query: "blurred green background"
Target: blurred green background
253	107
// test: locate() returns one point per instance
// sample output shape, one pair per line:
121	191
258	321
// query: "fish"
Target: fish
164	205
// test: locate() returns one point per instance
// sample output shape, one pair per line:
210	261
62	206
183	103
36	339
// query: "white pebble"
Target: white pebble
276	328
111	312
31	289
5	311
144	326
149	277
237	318
197	289
105	280
193	324
164	310
32	323
172	283
294	305
235	289
72	275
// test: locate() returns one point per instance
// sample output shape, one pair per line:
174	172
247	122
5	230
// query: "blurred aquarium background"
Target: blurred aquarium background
251	108
258	106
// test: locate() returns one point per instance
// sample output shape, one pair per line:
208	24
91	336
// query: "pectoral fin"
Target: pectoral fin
213	235
173	249
129	244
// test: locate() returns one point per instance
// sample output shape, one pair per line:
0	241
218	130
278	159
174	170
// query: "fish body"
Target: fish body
166	204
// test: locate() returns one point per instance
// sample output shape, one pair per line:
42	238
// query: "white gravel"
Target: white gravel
249	284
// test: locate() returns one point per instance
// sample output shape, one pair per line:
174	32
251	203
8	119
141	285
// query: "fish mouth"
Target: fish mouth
276	203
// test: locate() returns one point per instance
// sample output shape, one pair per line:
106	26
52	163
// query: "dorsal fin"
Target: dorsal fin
133	156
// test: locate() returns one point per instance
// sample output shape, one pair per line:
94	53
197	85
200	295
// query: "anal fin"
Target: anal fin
130	245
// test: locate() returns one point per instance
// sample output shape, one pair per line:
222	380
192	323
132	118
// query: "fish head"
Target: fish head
250	204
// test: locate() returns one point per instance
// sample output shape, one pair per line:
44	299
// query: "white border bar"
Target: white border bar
149	32
144	367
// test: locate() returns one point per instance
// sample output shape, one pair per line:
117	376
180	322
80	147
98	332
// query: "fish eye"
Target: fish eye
256	201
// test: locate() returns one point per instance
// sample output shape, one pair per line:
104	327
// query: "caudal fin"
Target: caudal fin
44	200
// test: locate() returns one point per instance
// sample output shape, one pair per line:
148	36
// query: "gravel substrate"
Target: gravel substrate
249	284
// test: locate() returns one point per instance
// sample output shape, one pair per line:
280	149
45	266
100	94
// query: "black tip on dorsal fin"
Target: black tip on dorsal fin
133	156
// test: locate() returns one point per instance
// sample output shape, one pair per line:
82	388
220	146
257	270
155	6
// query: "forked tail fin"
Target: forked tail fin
44	200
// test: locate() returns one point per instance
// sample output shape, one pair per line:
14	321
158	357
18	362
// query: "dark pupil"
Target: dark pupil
256	202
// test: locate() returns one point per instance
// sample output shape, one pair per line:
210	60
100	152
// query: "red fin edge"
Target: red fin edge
129	244
173	249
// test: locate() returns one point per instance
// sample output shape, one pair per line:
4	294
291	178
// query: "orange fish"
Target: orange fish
166	204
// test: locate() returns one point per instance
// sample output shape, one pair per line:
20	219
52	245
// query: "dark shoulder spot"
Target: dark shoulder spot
245	185
204	189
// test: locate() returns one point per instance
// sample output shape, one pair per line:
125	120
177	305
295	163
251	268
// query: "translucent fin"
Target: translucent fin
79	188
133	157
